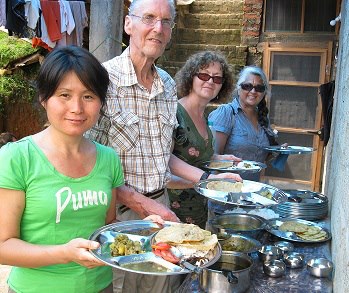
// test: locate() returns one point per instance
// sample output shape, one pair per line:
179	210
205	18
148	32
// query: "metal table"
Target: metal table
294	281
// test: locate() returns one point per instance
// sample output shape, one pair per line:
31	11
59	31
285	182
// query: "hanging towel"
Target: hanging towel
327	92
15	17
81	21
52	17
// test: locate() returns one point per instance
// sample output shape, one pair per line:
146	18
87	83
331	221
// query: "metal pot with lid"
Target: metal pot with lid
230	274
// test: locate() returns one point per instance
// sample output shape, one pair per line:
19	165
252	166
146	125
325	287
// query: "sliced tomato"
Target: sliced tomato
157	252
167	255
161	246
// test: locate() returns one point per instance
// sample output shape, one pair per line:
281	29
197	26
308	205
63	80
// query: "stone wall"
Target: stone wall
337	181
213	25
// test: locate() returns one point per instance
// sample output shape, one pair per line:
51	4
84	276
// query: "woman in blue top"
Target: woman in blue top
242	126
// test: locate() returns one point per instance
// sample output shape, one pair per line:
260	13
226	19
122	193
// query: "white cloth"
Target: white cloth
2	12
67	19
184	2
67	22
31	10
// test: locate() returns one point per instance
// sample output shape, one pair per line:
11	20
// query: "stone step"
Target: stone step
208	36
212	21
172	67
215	7
181	52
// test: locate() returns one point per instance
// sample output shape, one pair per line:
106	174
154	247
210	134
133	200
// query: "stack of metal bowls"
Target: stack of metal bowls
303	204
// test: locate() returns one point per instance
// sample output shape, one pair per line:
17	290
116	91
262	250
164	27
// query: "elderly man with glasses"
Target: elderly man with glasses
138	122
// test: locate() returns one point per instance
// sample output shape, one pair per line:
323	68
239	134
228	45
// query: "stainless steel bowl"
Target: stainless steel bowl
320	267
240	243
274	268
294	260
269	252
239	223
285	246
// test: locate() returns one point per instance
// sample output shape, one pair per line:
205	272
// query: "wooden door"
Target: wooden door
295	75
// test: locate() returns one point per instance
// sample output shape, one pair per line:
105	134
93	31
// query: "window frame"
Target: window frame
336	31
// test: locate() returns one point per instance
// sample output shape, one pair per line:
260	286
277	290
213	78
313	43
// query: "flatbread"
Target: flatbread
303	231
292	226
220	165
180	233
225	186
207	244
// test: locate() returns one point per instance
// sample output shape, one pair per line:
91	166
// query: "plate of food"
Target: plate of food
298	230
289	150
249	194
148	248
231	166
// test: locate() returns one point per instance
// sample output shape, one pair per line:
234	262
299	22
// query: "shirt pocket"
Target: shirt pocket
125	130
168	124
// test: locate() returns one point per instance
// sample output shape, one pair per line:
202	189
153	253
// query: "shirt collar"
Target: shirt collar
130	77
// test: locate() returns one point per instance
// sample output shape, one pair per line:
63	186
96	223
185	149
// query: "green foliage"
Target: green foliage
17	86
12	48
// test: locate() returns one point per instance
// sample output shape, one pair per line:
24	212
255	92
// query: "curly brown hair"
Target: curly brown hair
201	60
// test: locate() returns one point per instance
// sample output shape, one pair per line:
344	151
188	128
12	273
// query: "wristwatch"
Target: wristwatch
205	175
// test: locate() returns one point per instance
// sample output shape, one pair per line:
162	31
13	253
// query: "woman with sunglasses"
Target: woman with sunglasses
204	77
242	126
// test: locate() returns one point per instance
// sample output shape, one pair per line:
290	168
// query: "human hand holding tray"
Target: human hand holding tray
144	261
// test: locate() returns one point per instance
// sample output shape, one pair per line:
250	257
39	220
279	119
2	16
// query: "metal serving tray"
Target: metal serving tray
290	150
106	235
250	191
255	167
274	224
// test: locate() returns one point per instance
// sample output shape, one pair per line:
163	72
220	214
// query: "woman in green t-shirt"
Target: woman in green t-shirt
57	187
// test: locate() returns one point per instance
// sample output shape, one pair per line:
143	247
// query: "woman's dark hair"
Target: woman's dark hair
202	60
262	106
67	59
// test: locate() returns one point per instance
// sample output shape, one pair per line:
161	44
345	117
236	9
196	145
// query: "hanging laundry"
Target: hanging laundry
15	17
52	17
81	21
326	91
67	22
2	12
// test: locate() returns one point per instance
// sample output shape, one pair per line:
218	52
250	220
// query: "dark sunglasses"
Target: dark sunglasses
259	88
207	77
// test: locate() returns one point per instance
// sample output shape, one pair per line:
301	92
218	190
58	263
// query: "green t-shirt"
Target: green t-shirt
57	209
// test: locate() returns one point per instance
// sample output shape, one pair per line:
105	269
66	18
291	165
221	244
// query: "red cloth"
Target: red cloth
52	17
37	42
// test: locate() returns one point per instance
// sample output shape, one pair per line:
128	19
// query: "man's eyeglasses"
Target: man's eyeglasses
152	20
207	77
259	88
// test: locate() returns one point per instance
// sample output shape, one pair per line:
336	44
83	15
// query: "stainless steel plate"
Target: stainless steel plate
274	224
242	199
106	234
290	150
250	167
303	204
